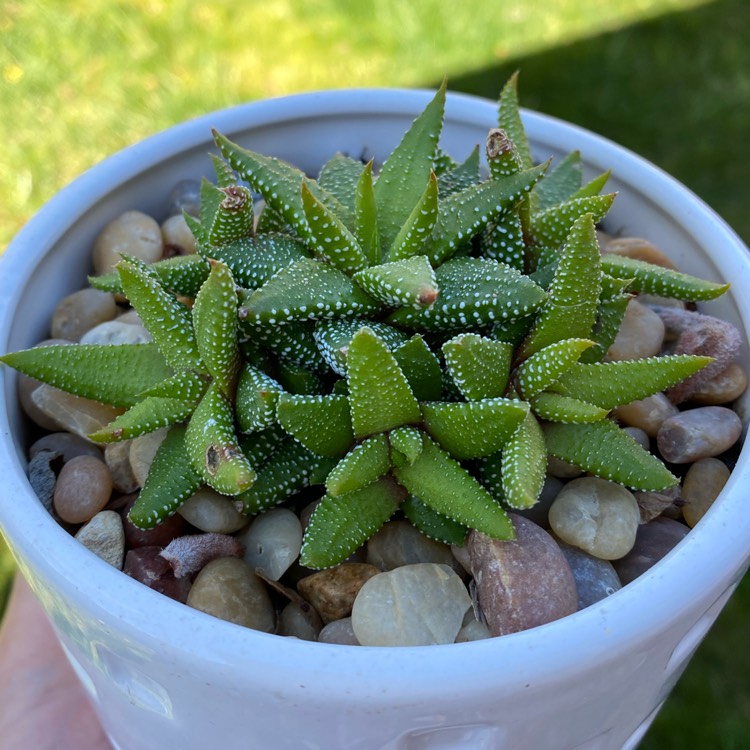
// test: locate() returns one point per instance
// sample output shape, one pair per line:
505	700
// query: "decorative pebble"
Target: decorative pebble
595	578
147	566
228	589
300	620
522	583
177	237
560	469
653	541
340	632
132	233
81	416
159	536
473	631
116	332
207	510
653	504
399	543
727	386
83	489
641	334
597	516
640	436
639	249
66	445
117	458
104	536
130	317
647	414
332	591
704	480
414	605
272	542
142	452
42	477
79	312
698	433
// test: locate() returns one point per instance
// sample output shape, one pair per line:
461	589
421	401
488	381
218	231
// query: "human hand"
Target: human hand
42	704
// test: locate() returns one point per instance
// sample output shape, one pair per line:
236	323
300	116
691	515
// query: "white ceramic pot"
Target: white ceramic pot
164	676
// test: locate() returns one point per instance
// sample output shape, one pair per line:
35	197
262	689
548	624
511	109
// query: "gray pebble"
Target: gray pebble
473	631
79	312
399	543
414	605
207	510
66	445
105	537
115	333
653	541
300	620
595	578
698	433
272	542
340	632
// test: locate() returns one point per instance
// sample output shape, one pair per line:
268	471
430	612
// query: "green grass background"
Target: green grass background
670	79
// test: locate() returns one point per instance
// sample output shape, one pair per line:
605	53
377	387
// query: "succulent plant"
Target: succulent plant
415	338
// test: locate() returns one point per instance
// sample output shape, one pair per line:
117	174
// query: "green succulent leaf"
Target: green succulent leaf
328	236
228	215
215	323
255	400
503	241
406	445
294	343
554	407
306	290
366	216
366	462
212	445
115	375
421	368
460	176
602	448
573	297
323	424
561	184
650	279
611	384
184	386
613	302
167	320
289	470
551	227
509	119
255	260
339	176
183	275
333	338
170	482
298	380
151	414
503	158
403	282
480	367
279	183
471	429
224	174
433	524
379	393
465	214
418	227
443	162
339	525
446	487
474	292
594	187
544	368
258	447
404	174
524	464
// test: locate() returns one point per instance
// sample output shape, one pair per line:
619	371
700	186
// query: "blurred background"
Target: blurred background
669	79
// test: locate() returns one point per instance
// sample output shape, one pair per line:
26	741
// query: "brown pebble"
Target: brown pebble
652	542
103	535
177	237
698	433
147	566
332	591
83	489
521	583
117	458
159	536
704	480
131	233
81	311
639	249
641	334
727	386
648	414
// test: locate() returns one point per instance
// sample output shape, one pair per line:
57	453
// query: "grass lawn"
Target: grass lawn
667	78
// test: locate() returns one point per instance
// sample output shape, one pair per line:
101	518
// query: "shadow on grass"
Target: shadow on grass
676	90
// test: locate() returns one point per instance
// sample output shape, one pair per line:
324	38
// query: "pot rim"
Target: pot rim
49	551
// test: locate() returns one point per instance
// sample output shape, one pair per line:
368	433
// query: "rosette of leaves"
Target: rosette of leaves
417	338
